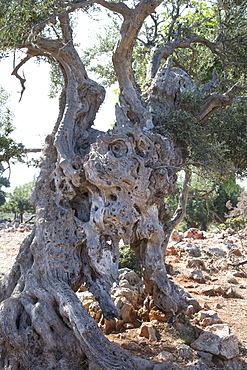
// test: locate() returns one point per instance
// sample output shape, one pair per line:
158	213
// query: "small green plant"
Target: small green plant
128	259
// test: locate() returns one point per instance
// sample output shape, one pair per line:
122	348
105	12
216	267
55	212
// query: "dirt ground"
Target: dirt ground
231	310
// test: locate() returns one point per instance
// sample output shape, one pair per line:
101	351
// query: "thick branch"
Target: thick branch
166	50
122	60
119	7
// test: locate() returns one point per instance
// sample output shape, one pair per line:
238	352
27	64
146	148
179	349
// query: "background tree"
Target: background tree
238	214
207	203
19	201
94	188
10	151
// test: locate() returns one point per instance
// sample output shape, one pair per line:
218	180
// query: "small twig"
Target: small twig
202	196
35	150
21	79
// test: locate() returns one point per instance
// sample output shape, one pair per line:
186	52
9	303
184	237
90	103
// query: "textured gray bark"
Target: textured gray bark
93	190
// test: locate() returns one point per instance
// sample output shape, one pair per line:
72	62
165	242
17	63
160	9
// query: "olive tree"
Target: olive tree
96	188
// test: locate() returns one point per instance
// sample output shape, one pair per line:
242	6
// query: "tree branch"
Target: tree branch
119	7
166	50
122	60
34	150
201	196
21	79
215	101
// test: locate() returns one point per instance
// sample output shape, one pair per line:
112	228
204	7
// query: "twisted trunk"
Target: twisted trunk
93	190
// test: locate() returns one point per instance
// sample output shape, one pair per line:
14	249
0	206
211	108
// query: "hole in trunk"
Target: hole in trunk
81	204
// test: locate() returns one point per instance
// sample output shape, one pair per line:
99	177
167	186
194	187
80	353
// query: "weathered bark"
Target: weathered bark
93	190
42	322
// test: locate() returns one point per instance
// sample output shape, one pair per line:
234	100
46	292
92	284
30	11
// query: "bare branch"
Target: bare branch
119	7
215	101
21	79
175	15
74	6
34	150
166	50
243	97
204	194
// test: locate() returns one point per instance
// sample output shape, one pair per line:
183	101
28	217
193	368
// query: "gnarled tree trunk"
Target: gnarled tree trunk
93	190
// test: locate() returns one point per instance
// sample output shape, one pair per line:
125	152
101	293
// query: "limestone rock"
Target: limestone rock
166	365
189	248
140	363
213	251
90	304
165	356
148	331
209	317
233	364
197	365
156	315
197	275
207	342
207	357
171	250
184	351
230	231
233	249
131	346
197	263
108	326
194	233
128	296
222	330
190	310
213	290
176	236
229	347
226	346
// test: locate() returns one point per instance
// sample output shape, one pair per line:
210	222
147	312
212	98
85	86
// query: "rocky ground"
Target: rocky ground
210	267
